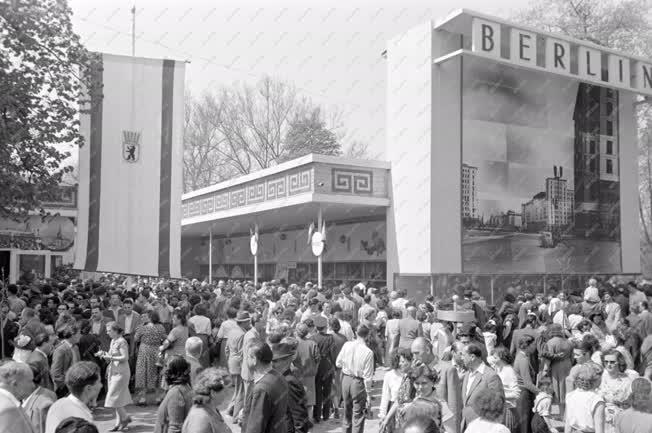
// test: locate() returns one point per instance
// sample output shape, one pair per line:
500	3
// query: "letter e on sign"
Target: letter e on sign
557	55
523	47
485	37
619	71
589	64
643	78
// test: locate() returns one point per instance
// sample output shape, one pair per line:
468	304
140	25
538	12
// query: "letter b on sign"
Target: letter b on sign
486	37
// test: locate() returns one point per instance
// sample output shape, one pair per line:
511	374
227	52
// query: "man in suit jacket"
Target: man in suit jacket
98	327
62	359
479	377
266	409
39	358
36	406
409	328
644	324
448	388
15	385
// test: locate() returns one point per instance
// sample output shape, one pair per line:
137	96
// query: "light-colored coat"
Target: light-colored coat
36	407
12	417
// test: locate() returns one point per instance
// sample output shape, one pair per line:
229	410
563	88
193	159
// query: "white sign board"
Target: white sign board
317	244
253	245
622	72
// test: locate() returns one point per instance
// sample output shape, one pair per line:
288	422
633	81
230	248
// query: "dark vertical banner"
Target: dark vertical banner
166	168
95	178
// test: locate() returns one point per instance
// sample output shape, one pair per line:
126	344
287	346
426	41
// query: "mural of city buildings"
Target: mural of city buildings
539	175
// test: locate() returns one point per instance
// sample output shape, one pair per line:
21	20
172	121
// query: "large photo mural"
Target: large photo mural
540	179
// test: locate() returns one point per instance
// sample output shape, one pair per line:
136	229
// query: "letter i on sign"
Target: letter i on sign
485	37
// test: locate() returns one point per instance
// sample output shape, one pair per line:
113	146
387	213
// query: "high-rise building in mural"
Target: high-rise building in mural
551	209
597	174
470	201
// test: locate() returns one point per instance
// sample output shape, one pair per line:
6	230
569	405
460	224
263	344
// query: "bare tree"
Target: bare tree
243	128
622	25
203	161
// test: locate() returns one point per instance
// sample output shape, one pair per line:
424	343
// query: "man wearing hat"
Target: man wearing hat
325	369
234	343
283	355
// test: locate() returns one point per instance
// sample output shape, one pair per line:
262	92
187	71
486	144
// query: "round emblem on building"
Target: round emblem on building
253	245
317	244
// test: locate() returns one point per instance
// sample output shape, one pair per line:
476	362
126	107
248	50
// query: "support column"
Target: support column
256	269
319	259
210	255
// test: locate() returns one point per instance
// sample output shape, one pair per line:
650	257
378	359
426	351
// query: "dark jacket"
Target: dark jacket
325	346
173	409
298	419
266	408
489	380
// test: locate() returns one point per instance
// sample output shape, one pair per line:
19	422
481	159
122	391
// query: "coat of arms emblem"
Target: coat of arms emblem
130	146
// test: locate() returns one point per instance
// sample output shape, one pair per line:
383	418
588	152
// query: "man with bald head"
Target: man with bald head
409	328
448	388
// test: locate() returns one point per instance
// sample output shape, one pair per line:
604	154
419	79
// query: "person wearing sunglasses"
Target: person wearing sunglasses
615	387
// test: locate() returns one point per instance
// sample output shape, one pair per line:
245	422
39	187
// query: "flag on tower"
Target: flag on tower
130	185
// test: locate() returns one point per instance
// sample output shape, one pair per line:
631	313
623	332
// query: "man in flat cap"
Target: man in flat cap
284	353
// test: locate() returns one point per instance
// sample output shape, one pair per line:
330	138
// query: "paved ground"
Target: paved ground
144	418
516	252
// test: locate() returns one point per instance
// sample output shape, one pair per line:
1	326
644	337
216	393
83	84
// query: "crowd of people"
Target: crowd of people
293	356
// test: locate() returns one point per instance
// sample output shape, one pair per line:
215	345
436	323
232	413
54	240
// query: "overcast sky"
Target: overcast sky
330	50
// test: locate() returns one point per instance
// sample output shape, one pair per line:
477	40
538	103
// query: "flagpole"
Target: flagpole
133	30
319	261
210	255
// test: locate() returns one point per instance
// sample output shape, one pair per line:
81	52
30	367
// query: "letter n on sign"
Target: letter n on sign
485	37
643	78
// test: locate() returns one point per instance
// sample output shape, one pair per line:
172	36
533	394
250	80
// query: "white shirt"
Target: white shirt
128	320
356	359
480	425
346	330
202	324
65	408
391	383
472	376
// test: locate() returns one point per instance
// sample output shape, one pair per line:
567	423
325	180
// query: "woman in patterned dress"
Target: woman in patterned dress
615	388
149	336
